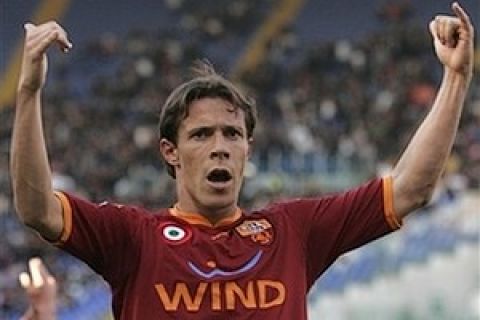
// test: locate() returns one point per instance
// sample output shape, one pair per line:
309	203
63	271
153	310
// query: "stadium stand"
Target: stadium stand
338	89
430	273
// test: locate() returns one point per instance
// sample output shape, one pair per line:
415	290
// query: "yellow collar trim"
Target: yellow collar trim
199	219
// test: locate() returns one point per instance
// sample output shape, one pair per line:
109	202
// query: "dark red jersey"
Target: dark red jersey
258	265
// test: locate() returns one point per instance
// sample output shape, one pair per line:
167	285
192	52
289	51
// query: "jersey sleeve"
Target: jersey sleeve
102	235
333	225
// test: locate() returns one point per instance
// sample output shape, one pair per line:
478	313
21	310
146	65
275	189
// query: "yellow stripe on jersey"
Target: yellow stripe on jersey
388	207
199	219
67	217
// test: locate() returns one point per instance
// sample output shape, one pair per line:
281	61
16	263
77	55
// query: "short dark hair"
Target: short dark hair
206	83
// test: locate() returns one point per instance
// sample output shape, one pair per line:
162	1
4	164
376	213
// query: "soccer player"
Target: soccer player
205	258
41	290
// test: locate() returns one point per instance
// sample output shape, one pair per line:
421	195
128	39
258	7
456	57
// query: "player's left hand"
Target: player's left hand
453	41
41	289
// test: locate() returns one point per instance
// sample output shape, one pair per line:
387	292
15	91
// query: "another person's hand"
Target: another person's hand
38	39
41	290
453	40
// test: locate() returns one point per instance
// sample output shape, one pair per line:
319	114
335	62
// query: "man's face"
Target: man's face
210	155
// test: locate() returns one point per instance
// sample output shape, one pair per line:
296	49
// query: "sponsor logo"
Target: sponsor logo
227	295
222	289
249	265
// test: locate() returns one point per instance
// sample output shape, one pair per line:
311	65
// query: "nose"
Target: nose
220	148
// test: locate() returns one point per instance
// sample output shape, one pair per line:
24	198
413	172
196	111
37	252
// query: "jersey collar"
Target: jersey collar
198	219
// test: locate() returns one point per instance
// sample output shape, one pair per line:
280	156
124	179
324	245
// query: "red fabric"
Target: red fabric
260	267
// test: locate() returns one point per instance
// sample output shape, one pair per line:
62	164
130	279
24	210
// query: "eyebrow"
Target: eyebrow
223	127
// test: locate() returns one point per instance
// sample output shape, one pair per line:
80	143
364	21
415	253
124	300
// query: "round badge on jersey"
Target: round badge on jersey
175	234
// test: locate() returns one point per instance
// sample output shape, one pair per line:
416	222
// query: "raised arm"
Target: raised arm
422	163
34	200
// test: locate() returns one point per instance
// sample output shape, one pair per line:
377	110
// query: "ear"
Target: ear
168	150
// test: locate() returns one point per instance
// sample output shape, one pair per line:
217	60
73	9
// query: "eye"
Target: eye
233	133
200	134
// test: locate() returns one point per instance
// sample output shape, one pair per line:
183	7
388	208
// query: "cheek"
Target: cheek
191	160
242	157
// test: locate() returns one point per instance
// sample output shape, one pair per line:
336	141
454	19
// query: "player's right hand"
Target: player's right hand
38	38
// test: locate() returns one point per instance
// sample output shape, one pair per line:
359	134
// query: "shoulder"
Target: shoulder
80	205
137	211
284	208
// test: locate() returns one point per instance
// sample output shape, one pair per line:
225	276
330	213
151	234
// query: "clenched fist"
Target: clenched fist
453	41
38	39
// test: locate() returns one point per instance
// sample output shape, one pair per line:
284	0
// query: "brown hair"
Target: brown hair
205	83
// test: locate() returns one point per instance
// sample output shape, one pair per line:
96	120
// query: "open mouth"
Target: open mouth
219	176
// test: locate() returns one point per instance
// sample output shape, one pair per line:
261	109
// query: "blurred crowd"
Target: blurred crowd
349	105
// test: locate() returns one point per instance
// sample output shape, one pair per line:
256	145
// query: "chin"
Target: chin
219	201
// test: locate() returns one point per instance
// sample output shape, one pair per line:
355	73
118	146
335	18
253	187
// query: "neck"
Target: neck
212	214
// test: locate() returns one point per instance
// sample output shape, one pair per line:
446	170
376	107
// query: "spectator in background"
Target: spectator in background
41	288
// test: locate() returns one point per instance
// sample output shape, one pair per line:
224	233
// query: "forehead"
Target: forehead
212	112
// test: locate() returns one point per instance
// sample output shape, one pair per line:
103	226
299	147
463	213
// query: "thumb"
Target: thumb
434	32
433	29
28	26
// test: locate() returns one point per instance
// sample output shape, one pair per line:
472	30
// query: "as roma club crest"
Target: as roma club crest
259	231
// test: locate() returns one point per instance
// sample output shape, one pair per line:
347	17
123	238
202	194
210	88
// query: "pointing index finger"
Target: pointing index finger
462	15
62	39
35	265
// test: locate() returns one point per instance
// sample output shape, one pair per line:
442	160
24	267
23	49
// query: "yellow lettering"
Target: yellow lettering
216	296
263	293
181	293
224	295
247	298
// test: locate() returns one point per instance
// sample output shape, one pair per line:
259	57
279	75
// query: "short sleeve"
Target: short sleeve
102	235
332	225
